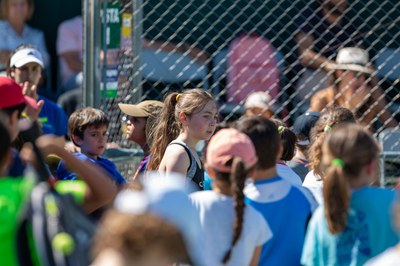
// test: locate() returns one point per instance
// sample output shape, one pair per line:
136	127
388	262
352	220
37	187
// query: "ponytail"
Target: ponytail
237	180
336	192
166	131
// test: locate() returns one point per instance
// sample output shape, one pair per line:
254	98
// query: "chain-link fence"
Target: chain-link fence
285	47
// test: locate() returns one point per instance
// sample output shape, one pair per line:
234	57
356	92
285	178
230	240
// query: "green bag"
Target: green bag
14	193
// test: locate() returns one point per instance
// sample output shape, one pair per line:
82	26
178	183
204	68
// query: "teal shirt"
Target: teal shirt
369	231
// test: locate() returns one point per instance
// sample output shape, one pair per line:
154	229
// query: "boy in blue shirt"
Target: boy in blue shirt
25	68
286	207
88	128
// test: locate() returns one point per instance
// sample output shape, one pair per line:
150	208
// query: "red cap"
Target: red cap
11	94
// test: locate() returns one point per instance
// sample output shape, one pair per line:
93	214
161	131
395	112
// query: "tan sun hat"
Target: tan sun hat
353	58
150	109
142	109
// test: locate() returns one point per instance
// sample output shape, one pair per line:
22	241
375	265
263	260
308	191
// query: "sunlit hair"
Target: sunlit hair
188	102
265	137
355	148
5	4
136	236
288	140
85	118
328	119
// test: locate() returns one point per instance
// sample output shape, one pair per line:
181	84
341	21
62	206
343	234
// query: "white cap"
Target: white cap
259	99
353	58
167	198
25	56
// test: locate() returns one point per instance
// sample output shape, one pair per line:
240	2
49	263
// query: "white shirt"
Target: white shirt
288	174
315	185
216	217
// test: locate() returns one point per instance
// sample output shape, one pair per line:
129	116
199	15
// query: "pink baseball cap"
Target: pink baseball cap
11	94
229	143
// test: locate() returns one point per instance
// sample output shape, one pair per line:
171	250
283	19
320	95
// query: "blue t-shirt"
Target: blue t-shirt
369	231
287	209
64	174
53	118
17	167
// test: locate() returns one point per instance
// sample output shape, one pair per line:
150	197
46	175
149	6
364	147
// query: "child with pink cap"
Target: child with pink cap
233	232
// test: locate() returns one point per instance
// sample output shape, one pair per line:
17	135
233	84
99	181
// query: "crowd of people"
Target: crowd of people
260	192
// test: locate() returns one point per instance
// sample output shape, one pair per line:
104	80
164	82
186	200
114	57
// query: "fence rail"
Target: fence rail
169	45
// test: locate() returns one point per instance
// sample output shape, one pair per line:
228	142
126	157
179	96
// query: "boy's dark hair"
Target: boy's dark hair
265	137
84	118
288	140
5	136
9	110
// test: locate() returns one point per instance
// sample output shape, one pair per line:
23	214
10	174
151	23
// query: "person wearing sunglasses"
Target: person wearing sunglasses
354	87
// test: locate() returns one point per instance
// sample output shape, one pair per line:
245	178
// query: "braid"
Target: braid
238	177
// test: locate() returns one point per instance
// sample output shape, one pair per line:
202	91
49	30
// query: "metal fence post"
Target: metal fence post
91	52
137	28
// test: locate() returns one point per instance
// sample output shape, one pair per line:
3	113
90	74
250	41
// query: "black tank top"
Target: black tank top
194	171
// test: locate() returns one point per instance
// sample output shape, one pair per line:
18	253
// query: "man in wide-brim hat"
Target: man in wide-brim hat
354	87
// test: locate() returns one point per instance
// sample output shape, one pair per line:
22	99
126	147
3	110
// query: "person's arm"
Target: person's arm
256	256
318	102
101	188
308	57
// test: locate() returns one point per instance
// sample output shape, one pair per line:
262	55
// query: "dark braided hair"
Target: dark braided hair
237	179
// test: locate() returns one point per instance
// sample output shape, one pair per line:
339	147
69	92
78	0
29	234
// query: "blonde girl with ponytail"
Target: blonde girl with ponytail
186	119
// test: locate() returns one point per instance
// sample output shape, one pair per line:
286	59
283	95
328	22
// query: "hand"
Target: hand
29	90
32	113
70	147
329	66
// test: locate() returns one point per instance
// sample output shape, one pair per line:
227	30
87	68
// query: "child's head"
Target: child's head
192	112
302	128
265	137
349	160
13	102
259	103
228	149
26	64
140	238
143	117
230	157
158	220
329	118
11	9
88	128
288	140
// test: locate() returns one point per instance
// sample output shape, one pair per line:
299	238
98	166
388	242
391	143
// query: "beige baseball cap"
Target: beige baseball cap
143	109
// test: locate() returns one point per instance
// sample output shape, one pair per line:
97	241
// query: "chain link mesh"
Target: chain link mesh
175	34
